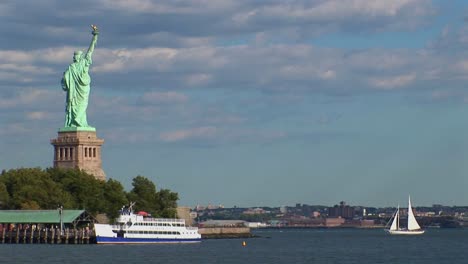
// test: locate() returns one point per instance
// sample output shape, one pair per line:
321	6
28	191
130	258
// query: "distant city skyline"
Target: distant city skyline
251	103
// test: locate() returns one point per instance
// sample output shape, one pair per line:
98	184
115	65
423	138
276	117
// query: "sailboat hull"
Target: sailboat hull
405	232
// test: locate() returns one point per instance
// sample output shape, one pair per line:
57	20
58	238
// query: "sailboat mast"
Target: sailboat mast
398	219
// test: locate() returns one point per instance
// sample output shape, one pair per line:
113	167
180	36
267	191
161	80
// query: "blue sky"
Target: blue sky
251	103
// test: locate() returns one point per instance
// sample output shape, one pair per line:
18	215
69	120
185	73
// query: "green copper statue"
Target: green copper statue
76	82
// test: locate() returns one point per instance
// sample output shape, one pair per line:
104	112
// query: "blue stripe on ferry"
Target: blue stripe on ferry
101	240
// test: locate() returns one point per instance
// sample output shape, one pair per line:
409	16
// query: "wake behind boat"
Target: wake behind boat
142	228
412	227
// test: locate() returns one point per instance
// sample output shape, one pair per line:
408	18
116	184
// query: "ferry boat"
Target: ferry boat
140	227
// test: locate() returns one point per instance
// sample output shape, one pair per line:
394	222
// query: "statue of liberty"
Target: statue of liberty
76	82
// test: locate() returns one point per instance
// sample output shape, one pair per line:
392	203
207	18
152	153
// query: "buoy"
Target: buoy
244	244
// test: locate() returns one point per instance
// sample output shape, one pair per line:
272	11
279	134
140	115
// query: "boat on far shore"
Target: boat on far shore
412	227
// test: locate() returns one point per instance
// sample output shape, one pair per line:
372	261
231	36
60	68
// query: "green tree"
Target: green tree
87	191
4	196
32	189
115	197
167	203
144	195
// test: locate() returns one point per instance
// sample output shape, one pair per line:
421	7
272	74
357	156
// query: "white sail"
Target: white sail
396	218
412	223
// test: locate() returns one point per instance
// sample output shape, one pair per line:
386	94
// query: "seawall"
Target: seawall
225	232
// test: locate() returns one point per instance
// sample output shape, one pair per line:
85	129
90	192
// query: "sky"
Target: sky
251	103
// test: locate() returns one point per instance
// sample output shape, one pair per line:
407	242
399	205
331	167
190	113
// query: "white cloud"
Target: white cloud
169	7
193	133
393	82
27	98
131	59
364	8
3	8
15	56
164	97
306	72
25	69
14	129
198	79
36	115
335	15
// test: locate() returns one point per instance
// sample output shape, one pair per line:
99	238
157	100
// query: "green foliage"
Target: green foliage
4	196
31	189
158	204
87	191
34	188
114	198
167	202
144	194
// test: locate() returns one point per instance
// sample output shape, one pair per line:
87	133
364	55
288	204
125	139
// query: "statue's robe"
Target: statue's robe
76	82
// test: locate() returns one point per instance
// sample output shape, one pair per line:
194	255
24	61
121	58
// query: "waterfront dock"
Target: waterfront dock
47	236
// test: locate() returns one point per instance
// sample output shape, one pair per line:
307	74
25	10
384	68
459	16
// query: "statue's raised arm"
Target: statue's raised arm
95	33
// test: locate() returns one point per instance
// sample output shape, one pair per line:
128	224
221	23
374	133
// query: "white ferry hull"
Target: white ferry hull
125	240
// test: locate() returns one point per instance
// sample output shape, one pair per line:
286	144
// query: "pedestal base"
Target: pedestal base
79	149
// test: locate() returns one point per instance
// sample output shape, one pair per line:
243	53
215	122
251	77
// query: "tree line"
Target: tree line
36	188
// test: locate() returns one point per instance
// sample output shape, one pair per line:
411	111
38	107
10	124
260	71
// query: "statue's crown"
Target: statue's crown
78	52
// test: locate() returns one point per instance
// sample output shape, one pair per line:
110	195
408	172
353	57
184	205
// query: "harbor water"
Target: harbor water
272	246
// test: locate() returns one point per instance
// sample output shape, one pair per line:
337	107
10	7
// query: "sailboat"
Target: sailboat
412	228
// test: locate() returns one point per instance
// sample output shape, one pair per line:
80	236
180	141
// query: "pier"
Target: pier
46	227
32	235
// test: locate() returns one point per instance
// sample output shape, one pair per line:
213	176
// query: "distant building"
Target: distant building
334	222
315	214
342	210
283	209
208	207
200	208
184	213
254	211
255	224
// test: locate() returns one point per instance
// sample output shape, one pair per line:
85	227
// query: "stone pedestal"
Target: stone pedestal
79	149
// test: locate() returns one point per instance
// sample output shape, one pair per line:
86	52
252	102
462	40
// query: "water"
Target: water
275	246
